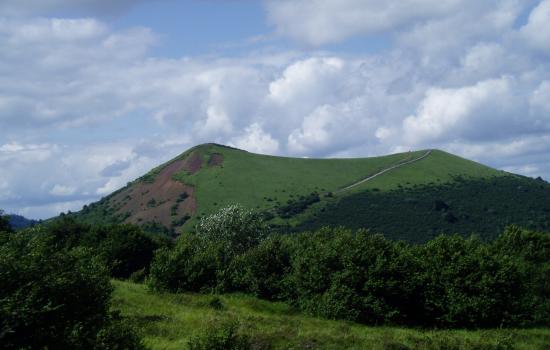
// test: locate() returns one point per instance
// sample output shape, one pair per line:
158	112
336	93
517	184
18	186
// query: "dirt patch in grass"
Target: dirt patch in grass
158	201
216	159
192	163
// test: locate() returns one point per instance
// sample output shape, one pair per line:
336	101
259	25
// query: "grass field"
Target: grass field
168	321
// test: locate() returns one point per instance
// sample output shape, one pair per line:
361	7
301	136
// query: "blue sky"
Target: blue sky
93	93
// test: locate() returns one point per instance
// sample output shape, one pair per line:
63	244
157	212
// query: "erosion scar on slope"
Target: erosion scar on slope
398	165
157	201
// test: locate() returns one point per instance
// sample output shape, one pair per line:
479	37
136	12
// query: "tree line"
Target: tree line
337	273
55	289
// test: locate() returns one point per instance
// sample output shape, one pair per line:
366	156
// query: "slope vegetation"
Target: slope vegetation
170	321
300	193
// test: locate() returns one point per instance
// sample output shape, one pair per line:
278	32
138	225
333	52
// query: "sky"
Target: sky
94	93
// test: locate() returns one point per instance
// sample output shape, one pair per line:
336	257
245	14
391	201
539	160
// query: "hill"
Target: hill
19	222
412	195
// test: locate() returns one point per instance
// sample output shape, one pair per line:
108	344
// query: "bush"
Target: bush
467	286
530	251
126	249
192	265
262	269
224	336
52	297
118	334
204	261
236	227
357	276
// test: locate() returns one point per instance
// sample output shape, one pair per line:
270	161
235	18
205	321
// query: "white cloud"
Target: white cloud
540	99
318	22
255	139
307	80
61	190
332	128
456	78
537	29
454	113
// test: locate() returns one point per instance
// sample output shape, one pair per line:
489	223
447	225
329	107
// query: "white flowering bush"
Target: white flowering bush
236	227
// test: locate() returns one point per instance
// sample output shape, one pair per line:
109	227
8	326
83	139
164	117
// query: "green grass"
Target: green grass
266	182
249	178
263	182
168	321
438	168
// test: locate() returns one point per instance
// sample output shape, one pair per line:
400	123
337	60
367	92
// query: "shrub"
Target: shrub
262	269
223	336
530	251
192	265
126	249
466	285
357	276
118	334
51	297
236	227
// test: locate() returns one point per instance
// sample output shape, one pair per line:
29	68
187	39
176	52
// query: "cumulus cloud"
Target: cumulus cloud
318	22
255	139
458	113
537	29
462	78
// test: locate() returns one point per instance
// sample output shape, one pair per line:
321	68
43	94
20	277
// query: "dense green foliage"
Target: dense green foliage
124	249
204	261
4	222
53	296
296	206
416	214
237	228
450	281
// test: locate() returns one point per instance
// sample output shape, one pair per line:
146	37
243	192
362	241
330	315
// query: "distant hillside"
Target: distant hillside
412	195
18	222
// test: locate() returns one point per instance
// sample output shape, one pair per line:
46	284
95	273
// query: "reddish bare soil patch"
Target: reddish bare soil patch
192	163
157	201
215	159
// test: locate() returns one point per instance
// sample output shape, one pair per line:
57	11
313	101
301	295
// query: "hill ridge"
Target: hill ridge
292	192
395	166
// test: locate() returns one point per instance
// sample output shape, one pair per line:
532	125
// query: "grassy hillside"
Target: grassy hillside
168	321
299	193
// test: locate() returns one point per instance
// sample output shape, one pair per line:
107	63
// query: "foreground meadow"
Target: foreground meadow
169	321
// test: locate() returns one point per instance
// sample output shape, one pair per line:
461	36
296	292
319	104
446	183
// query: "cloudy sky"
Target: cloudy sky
93	93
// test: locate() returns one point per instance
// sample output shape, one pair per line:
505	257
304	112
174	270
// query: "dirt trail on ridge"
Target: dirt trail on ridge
395	166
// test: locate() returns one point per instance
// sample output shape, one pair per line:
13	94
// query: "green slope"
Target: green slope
301	193
261	181
169	321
